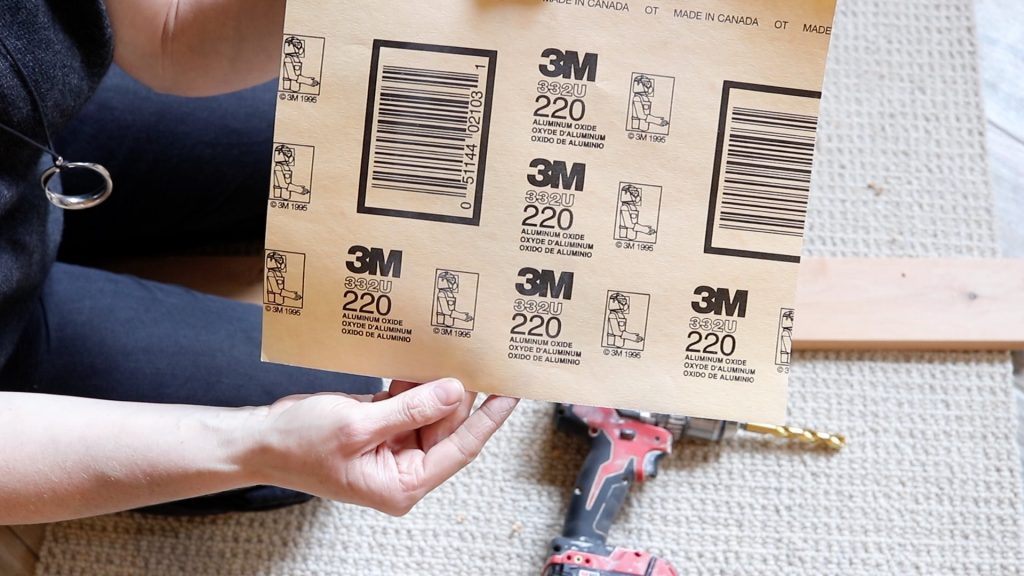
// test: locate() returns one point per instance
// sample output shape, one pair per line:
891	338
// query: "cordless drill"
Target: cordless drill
626	446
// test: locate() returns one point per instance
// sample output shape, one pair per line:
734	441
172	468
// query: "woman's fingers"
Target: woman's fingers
430	435
460	448
435	433
414	408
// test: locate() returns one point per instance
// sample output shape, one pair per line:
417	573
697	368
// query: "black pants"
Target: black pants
187	173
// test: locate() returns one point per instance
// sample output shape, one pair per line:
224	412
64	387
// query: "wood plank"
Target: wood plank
910	304
235	277
16	559
32	535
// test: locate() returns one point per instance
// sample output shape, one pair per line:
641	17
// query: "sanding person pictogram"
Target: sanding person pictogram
447	300
629	226
640	108
294	53
277	267
284	187
785	337
616	334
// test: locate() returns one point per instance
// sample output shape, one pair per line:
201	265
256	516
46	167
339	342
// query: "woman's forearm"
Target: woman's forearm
64	457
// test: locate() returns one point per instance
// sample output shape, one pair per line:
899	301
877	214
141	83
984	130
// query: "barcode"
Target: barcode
762	173
767	171
422	121
425	141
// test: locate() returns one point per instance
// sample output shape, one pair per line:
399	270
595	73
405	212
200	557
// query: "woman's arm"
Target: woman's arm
198	47
64	457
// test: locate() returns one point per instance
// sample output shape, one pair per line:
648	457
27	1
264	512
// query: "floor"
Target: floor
1001	39
1001	48
1000	25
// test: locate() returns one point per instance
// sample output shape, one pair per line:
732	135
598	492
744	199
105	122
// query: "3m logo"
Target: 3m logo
566	64
555	174
720	301
544	283
375	261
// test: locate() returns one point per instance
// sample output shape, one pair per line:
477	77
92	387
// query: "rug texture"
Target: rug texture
930	481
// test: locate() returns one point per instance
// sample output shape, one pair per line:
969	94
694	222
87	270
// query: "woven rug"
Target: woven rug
929	484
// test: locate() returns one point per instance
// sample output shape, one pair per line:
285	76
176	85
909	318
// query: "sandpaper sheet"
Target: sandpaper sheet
587	201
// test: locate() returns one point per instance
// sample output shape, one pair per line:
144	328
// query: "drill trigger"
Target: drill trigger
651	462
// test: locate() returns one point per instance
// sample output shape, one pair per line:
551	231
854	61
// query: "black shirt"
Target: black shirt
64	48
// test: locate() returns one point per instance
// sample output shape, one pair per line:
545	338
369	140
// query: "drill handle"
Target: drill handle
600	491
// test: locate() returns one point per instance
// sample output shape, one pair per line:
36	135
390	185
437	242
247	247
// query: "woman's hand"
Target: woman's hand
386	452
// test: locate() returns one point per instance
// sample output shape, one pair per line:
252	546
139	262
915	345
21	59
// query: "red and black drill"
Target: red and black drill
626	446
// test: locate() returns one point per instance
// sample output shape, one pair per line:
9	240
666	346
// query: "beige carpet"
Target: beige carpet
930	483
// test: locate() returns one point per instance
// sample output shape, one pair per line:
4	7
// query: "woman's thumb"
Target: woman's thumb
416	407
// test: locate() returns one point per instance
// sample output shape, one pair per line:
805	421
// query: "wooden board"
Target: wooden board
31	535
16	557
907	304
235	277
916	304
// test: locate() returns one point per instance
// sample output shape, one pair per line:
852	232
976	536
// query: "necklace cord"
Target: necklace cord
59	199
36	102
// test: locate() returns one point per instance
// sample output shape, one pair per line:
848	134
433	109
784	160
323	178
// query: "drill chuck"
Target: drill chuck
705	429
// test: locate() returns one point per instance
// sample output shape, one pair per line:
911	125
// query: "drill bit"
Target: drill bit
830	441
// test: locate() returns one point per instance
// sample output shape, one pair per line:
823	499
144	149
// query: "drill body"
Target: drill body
625	447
